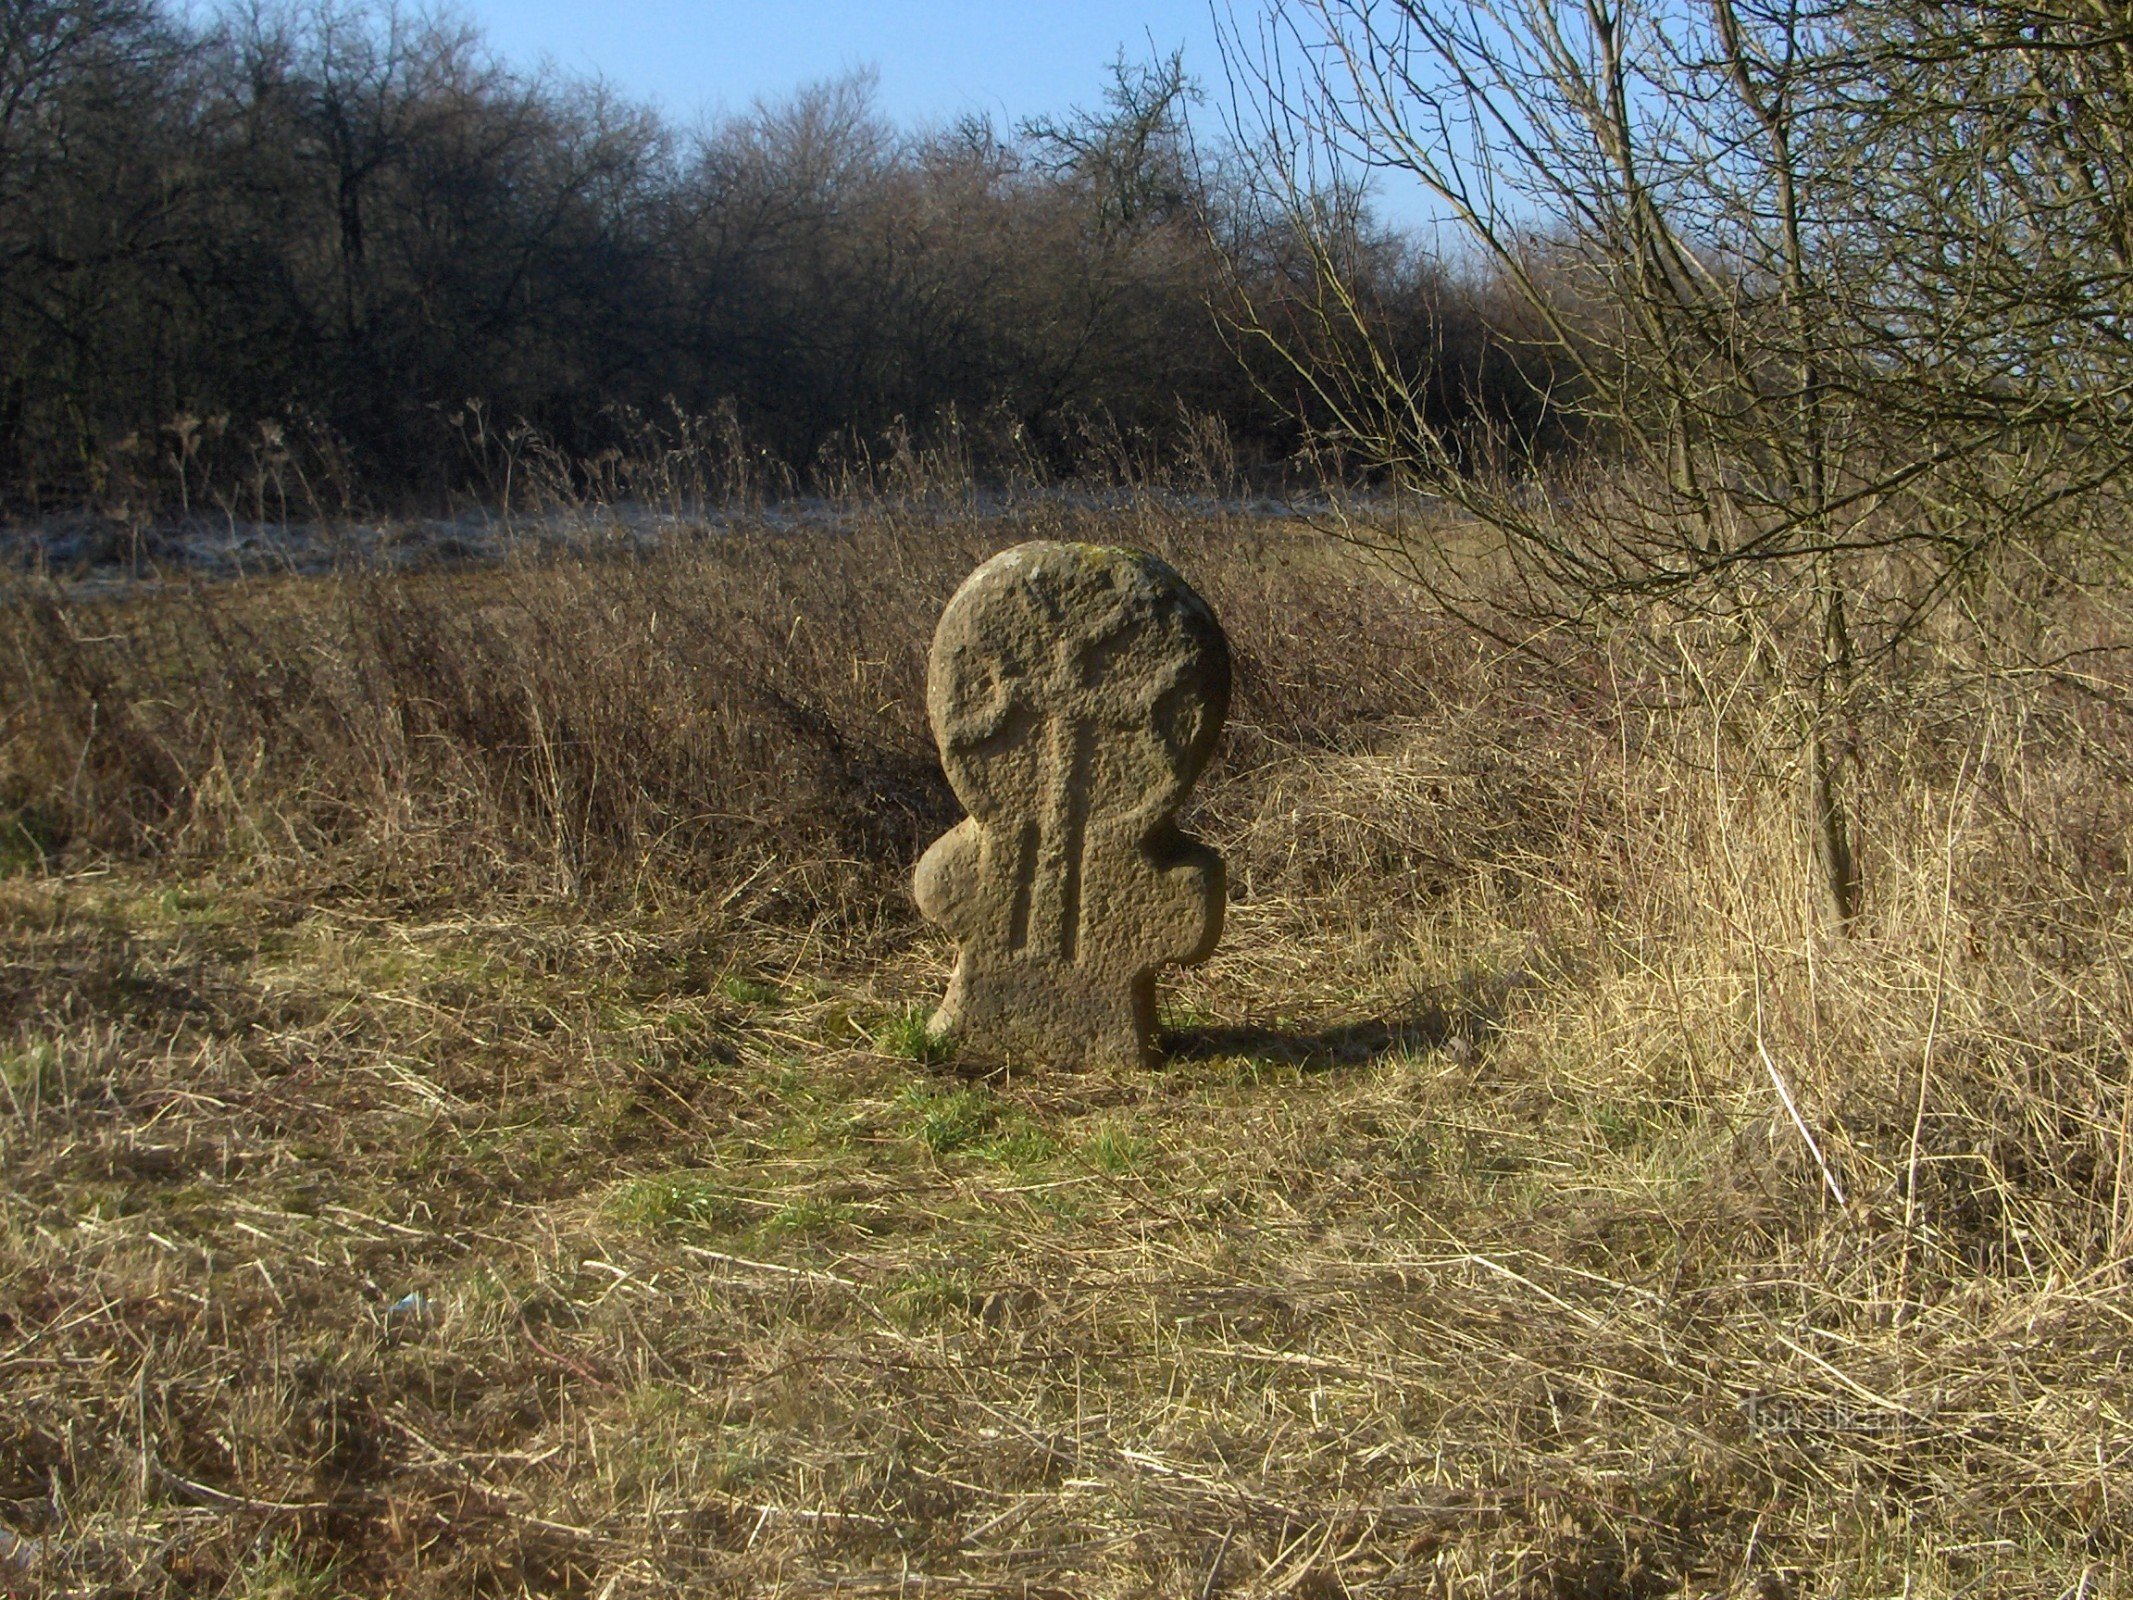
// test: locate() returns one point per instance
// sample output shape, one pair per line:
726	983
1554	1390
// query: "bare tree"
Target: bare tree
1767	275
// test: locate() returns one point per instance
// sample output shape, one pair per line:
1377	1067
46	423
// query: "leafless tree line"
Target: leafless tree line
342	221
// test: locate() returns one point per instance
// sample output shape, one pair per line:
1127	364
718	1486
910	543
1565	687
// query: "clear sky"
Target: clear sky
937	58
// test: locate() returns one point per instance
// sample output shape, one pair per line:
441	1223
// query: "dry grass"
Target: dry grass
463	1130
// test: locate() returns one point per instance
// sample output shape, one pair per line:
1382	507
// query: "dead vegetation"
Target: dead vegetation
464	1132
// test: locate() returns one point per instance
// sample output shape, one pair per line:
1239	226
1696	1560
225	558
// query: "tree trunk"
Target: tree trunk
1829	828
1836	874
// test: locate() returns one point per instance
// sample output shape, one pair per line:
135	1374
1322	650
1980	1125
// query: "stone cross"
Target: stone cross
1076	692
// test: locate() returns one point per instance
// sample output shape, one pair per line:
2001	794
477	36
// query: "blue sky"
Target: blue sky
937	58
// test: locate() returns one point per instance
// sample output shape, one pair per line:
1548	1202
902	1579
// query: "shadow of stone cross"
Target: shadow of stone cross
1076	692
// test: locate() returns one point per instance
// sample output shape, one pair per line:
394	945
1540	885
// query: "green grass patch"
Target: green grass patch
947	1120
807	1219
1113	1150
675	1199
741	989
1019	1144
192	908
31	1071
526	1155
1181	1016
969	1120
924	1296
908	1034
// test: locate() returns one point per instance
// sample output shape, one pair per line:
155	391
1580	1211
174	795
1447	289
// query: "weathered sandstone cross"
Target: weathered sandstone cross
1076	692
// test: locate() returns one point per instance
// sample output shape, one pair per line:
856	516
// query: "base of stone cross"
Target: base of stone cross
997	1009
1097	1010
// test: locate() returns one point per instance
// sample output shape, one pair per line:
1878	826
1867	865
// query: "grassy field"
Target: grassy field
467	1127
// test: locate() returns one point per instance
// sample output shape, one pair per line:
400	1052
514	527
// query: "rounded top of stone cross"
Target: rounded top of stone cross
1078	664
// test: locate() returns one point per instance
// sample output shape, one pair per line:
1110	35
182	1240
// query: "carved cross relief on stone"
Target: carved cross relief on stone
1076	692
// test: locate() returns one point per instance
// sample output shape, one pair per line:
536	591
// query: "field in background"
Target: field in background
466	1129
